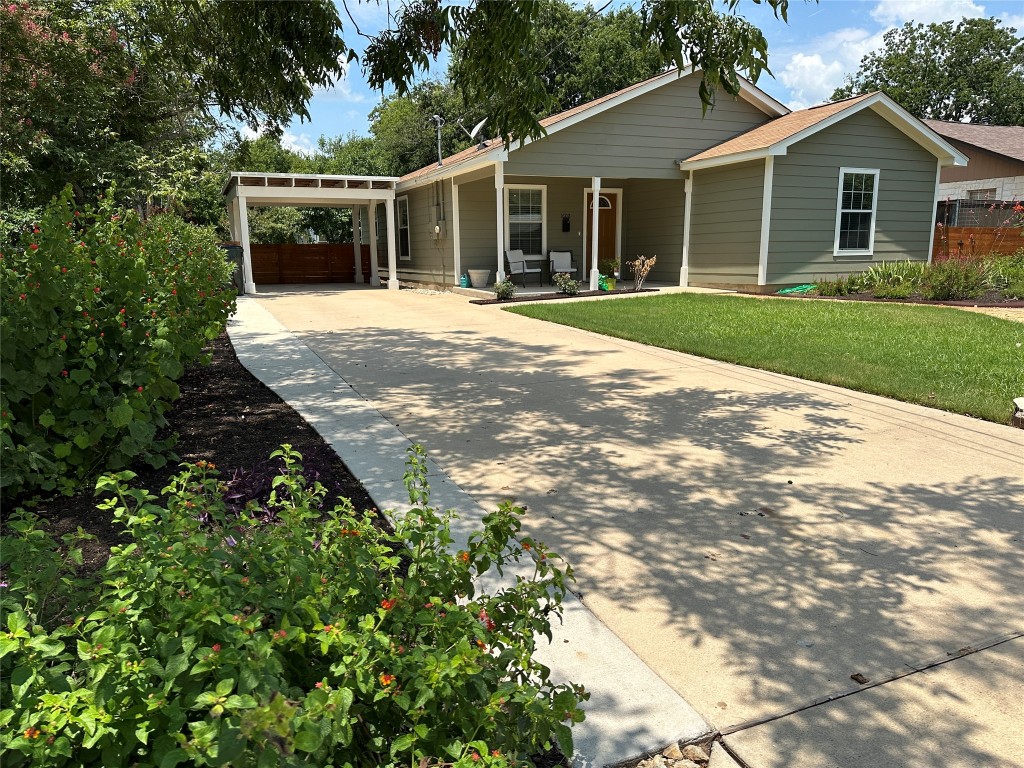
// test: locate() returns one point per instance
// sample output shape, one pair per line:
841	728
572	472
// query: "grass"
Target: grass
946	358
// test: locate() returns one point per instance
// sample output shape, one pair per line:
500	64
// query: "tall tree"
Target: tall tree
972	71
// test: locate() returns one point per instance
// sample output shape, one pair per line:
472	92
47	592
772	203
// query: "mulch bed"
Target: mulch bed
989	299
553	296
225	416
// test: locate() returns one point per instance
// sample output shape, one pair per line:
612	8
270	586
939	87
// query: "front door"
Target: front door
607	229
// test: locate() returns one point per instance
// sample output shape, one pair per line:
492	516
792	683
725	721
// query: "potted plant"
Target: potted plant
609	273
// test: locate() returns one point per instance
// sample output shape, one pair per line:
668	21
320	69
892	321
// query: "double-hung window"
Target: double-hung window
525	217
404	245
855	212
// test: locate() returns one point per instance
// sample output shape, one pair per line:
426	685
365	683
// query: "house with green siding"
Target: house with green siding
750	195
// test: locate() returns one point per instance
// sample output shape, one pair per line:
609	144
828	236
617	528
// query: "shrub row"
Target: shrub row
315	639
101	313
950	280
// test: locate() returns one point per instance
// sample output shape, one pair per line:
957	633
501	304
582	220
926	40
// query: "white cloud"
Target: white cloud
812	74
1015	20
343	90
298	142
896	12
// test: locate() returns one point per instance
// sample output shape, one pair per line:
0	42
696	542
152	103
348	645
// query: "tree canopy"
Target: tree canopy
969	71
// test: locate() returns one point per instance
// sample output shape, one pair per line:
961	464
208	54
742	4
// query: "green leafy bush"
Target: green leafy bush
565	283
893	291
504	289
840	286
894	279
954	280
314	639
101	313
1006	275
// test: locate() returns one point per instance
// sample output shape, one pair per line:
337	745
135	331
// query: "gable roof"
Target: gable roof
775	137
1007	140
493	149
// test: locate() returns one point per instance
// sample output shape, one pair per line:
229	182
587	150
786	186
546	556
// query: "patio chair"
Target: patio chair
517	266
561	261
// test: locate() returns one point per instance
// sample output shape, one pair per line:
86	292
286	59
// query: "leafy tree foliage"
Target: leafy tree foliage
969	71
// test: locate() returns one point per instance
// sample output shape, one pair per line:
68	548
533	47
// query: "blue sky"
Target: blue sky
809	56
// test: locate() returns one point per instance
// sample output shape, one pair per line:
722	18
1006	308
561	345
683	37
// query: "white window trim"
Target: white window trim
543	216
839	213
408	226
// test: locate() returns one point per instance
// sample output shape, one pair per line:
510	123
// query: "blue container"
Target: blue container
463	281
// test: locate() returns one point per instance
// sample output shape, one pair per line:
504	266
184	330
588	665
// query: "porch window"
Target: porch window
404	249
526	218
855	212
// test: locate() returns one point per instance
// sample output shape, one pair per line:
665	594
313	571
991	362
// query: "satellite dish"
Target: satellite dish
476	130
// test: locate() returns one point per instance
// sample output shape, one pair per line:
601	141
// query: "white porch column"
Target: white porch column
766	220
374	268
357	240
684	270
499	218
233	219
595	213
243	231
392	245
456	239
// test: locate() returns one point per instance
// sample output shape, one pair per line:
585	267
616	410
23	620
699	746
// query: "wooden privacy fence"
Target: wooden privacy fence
975	242
308	263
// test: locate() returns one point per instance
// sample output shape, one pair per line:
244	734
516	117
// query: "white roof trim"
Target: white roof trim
308	181
883	105
715	162
748	92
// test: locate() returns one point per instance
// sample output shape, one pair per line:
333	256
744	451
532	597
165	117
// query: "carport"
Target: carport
307	190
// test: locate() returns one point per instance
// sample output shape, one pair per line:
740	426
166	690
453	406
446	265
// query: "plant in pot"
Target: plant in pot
609	273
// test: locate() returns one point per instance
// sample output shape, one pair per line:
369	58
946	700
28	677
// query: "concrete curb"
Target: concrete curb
631	710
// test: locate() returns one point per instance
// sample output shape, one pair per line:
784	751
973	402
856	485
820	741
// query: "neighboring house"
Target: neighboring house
749	196
996	170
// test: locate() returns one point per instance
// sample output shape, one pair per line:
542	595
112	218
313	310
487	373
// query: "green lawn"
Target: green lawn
946	358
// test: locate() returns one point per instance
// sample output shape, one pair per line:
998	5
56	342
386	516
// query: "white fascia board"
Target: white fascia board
491	157
739	157
313	196
897	116
754	95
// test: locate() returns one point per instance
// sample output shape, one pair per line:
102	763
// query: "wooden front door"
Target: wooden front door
607	228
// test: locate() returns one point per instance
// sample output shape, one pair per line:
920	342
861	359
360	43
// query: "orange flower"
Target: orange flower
386	679
464	557
387	605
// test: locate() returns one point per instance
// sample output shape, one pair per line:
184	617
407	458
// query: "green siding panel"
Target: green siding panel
433	259
641	138
653	224
805	189
725	223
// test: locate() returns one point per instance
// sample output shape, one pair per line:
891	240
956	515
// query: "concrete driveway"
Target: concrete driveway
756	539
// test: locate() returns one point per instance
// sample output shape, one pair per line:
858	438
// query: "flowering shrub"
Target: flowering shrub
319	639
641	266
101	313
566	283
504	289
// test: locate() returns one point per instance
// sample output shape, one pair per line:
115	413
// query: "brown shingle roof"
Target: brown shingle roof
779	129
1005	140
547	122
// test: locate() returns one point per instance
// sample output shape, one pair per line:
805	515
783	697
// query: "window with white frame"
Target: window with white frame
855	211
526	219
981	194
404	246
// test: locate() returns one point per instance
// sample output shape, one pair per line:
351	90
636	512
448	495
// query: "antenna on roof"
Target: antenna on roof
438	121
473	134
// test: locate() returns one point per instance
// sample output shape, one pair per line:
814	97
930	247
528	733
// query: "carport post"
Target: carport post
392	245
374	268
243	227
357	240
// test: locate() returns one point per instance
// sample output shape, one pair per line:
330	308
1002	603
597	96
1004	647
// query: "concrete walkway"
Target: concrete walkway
754	538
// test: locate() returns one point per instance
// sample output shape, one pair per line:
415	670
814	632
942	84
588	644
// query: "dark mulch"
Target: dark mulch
988	299
553	296
225	416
